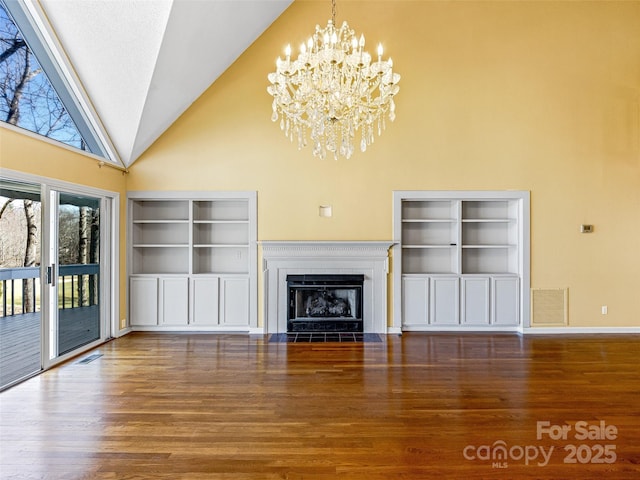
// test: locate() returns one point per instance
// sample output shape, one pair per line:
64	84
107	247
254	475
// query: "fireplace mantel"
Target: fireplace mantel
281	258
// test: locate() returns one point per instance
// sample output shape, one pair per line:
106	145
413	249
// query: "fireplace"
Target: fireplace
325	303
281	258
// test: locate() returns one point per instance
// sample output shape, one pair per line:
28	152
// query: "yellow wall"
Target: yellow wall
31	155
539	96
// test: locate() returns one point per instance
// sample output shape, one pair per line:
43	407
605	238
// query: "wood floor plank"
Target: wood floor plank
200	406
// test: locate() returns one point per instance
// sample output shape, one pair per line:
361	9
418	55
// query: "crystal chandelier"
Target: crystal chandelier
332	91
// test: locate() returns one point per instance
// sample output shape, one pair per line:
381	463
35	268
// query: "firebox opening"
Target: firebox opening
325	303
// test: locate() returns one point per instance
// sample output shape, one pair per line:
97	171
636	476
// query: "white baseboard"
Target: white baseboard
399	331
581	330
122	332
181	329
458	329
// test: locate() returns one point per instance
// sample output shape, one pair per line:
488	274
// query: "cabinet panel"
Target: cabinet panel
475	301
143	301
444	295
506	307
205	301
174	295
415	301
234	301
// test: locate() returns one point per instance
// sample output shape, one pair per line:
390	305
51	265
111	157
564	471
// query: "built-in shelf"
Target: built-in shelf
452	248
200	250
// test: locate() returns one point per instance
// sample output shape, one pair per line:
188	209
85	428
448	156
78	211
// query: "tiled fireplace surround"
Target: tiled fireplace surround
282	258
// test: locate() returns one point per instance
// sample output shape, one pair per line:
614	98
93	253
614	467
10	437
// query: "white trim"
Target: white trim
58	143
191	195
461	329
112	258
123	331
114	265
579	330
281	258
182	329
55	183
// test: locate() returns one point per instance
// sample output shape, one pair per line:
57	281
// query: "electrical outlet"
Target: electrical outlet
605	310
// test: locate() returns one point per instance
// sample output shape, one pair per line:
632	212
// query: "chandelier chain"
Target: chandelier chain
333	11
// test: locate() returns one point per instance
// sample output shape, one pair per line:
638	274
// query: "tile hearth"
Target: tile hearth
324	337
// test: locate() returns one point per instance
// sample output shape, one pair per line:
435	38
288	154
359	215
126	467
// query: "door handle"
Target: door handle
51	275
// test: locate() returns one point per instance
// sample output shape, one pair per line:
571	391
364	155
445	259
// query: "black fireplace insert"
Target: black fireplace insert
325	303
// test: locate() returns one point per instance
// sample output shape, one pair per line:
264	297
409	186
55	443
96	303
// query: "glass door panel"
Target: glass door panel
20	285
77	272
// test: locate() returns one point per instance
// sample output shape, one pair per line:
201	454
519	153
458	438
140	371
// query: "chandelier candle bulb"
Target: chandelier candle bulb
332	91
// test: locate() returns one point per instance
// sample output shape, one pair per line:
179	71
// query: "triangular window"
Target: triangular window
33	93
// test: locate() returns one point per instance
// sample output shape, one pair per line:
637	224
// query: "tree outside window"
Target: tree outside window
27	98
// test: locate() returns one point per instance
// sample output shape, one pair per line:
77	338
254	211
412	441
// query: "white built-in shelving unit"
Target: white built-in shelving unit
463	257
192	260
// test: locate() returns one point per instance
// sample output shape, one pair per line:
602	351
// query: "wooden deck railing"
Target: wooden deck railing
13	300
78	287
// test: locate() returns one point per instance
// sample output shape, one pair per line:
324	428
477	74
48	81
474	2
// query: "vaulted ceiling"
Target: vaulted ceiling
142	63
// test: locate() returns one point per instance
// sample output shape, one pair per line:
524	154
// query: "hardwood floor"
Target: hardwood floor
20	339
197	406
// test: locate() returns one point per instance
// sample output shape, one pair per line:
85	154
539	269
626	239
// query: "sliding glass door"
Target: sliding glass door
74	272
20	285
55	275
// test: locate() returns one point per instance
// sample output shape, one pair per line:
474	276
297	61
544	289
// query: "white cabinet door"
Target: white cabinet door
506	308
205	301
234	301
444	296
475	300
174	301
415	301
143	301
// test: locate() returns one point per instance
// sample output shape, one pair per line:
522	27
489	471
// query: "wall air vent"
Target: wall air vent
549	307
